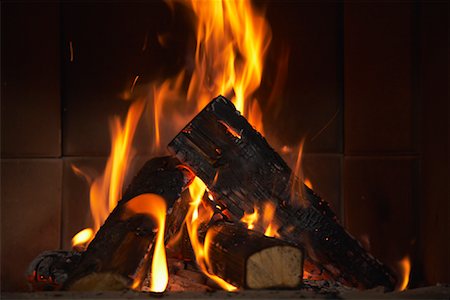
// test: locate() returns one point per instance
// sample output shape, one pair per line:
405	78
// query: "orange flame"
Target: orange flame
269	212
250	218
405	269
297	177
106	190
155	207
82	238
194	218
308	183
232	40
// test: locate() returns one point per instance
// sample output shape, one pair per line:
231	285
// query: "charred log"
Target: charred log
242	171
248	259
50	269
123	242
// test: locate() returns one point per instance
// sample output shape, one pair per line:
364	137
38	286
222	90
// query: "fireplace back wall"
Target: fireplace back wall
366	85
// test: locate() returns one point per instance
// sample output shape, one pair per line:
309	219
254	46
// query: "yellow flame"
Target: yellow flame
250	218
155	207
269	212
194	218
405	269
106	190
82	238
232	40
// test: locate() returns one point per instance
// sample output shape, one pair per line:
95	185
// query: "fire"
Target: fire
250	219
105	191
155	207
82	238
194	218
405	269
297	177
254	220
269	212
232	40
308	183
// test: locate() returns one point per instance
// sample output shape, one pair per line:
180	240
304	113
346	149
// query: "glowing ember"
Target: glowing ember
155	207
405	269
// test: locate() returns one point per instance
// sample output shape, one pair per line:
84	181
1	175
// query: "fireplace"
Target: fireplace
363	84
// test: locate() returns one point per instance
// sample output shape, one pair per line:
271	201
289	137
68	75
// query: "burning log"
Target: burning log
123	243
242	171
247	258
49	270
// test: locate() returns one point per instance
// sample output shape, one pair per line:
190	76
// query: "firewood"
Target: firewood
248	259
123	243
49	270
242	171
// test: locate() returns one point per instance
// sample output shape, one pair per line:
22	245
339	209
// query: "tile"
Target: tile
30	211
433	78
30	106
112	44
380	108
380	197
76	211
310	102
323	172
76	206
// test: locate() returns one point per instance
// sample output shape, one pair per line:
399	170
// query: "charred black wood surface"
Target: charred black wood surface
50	269
242	171
124	240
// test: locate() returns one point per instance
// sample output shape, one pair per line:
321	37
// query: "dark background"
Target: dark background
366	83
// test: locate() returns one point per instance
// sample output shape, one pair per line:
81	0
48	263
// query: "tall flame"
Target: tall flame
195	217
232	40
269	212
405	269
106	190
155	207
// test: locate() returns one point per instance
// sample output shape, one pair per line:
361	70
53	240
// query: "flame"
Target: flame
308	183
194	218
405	269
105	191
155	207
250	218
297	177
269	212
82	238
232	41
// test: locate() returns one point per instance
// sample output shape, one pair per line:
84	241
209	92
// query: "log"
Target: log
122	245
248	259
242	171
50	269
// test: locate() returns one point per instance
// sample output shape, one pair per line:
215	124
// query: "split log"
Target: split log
123	243
249	259
242	171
